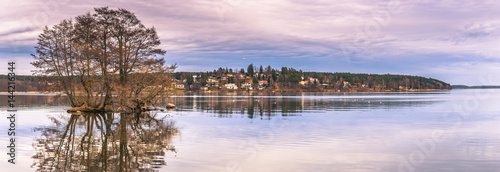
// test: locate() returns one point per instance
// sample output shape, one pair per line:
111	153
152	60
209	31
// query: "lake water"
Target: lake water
449	131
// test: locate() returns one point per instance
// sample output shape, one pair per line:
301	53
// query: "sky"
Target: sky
456	41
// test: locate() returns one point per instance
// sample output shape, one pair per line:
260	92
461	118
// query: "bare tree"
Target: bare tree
55	59
104	54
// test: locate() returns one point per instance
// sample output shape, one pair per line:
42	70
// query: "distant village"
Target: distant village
289	79
226	79
283	80
214	82
227	82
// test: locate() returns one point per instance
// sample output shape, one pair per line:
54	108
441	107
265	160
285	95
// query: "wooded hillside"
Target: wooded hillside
292	79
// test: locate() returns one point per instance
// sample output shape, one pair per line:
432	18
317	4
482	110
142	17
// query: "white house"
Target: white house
179	86
231	86
313	80
246	85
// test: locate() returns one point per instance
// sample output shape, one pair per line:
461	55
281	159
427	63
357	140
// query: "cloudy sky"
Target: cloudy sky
457	41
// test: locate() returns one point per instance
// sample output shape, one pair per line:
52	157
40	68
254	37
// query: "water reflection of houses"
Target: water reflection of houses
104	142
258	104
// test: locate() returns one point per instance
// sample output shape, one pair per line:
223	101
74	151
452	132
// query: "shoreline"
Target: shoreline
258	91
312	91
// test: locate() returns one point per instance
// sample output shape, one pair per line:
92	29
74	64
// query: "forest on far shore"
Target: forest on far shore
291	79
285	78
23	83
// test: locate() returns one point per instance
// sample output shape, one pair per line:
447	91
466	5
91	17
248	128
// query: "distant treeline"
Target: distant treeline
388	81
23	83
290	78
475	87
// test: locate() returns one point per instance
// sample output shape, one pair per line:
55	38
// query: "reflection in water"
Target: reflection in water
104	142
292	105
329	132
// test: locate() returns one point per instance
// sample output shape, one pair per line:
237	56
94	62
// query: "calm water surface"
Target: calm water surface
451	131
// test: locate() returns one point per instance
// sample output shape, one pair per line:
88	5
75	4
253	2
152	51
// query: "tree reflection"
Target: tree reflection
104	142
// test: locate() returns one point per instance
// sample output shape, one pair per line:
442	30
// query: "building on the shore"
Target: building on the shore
179	86
212	80
262	82
241	76
347	84
231	86
246	85
312	80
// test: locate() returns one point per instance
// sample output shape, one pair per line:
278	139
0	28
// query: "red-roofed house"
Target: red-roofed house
262	82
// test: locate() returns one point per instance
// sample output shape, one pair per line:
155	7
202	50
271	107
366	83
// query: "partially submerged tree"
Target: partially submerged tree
101	55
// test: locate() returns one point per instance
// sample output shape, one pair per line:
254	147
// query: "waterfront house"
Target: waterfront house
231	86
212	80
246	85
312	80
241	76
347	84
262	82
179	86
